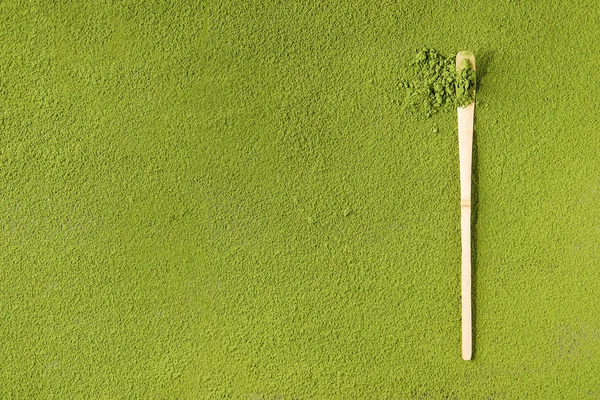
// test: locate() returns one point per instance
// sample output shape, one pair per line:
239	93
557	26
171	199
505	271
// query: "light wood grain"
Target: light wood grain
465	142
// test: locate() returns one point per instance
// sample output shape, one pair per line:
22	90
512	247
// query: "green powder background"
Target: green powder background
224	199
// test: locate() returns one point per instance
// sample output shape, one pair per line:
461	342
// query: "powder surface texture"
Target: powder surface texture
224	199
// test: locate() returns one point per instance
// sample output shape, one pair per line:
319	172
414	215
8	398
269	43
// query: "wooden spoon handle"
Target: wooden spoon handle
465	142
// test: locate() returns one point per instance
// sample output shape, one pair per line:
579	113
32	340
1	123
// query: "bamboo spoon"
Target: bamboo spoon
465	142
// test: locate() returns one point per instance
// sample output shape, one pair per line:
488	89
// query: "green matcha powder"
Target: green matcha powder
432	83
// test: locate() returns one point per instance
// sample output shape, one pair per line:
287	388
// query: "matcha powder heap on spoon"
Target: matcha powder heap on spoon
431	83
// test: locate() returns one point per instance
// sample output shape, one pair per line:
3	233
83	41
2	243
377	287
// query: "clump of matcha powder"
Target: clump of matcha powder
432	83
